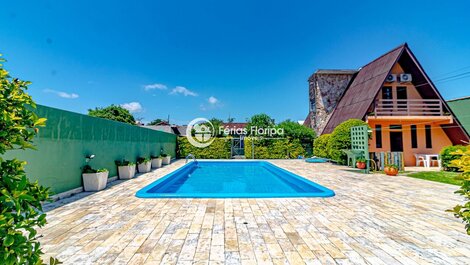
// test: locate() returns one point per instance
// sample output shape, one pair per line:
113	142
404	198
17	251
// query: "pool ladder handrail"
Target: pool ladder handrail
191	156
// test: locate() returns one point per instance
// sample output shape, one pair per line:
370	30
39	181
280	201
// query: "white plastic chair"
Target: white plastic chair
419	159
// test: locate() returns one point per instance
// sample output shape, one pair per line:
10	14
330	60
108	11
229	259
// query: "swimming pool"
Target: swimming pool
230	179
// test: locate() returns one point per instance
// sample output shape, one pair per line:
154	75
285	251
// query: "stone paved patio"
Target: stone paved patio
373	219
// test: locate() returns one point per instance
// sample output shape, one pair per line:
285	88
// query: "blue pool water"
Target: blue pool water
256	179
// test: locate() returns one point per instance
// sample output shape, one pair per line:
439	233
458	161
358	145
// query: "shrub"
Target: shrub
219	149
141	160
448	154
320	146
20	200
89	169
341	139
273	148
294	130
123	162
463	164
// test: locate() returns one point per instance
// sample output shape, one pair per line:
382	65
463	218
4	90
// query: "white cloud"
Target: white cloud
183	90
132	107
212	100
62	94
212	103
155	86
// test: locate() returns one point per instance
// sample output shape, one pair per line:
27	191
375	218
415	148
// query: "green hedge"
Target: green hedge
447	156
320	146
341	139
273	148
219	149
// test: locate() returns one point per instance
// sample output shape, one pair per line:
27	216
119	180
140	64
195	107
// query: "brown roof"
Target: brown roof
359	96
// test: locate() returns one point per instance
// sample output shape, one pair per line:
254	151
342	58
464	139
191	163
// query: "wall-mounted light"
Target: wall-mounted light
89	157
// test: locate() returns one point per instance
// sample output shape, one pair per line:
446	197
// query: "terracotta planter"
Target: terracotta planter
144	167
126	172
156	162
166	160
361	165
95	181
390	171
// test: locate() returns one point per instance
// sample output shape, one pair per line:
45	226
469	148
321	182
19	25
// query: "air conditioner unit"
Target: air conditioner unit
405	78
391	78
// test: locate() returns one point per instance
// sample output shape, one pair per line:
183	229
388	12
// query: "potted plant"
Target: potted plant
391	169
126	169
361	163
143	164
94	179
166	158
156	161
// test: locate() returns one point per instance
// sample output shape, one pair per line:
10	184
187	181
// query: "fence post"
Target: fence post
252	148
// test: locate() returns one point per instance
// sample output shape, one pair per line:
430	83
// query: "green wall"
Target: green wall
461	109
68	137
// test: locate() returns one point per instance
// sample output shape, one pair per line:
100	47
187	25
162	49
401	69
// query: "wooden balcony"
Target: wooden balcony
410	109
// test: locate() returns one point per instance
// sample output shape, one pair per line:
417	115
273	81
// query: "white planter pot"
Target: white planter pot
166	160
126	172
156	162
95	181
144	167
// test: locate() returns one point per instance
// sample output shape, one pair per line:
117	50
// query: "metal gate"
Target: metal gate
238	147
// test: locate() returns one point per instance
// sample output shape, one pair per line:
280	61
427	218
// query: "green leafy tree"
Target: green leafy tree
341	139
294	130
113	112
259	121
463	164
217	123
20	200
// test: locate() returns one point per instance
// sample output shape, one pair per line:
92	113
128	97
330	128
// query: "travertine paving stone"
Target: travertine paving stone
373	219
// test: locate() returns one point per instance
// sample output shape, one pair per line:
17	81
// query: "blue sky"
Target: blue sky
191	59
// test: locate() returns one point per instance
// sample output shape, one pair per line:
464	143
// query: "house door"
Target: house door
396	141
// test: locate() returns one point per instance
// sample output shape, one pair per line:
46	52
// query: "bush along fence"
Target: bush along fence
265	148
219	149
68	138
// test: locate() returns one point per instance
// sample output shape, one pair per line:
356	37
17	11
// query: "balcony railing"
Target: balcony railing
408	107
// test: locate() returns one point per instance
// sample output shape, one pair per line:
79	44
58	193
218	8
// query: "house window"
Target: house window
427	129
414	137
387	95
378	136
387	92
401	97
